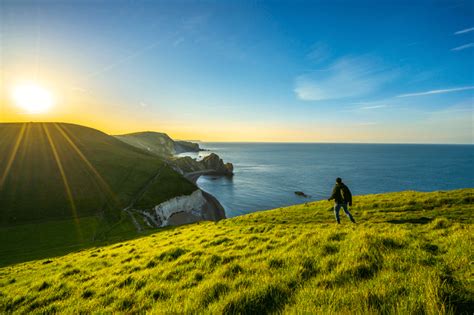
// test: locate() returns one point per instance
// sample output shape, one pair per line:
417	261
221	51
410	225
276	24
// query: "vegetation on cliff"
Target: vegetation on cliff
158	143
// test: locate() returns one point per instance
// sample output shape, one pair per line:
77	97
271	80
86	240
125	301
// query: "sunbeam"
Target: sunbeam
64	178
12	155
101	181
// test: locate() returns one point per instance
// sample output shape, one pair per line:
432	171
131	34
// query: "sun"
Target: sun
32	98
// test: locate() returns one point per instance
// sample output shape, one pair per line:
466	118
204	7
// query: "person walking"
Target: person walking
342	198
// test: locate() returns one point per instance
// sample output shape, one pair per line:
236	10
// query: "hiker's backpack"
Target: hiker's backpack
346	194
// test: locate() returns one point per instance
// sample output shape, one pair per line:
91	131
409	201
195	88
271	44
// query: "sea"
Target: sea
266	175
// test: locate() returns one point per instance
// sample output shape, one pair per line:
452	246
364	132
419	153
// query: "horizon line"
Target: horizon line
323	142
242	141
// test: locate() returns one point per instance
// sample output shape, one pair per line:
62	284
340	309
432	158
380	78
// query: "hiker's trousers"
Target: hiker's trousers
337	207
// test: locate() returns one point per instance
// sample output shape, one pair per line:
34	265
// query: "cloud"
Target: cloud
441	91
373	107
467	30
345	78
463	47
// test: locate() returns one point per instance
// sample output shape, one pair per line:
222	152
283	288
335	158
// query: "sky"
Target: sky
272	71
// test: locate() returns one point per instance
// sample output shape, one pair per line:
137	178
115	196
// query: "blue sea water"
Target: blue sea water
268	174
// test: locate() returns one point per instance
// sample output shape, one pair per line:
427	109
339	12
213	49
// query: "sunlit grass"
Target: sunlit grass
64	186
58	171
410	253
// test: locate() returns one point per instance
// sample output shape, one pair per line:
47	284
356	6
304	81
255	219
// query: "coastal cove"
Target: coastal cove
268	174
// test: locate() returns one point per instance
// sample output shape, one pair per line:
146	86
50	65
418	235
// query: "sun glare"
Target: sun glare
32	98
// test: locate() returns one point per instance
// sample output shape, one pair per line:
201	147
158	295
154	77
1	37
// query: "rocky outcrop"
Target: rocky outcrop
301	194
187	164
199	206
214	162
211	164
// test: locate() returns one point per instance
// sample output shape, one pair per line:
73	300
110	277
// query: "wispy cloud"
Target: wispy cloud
466	30
373	107
345	78
463	47
441	91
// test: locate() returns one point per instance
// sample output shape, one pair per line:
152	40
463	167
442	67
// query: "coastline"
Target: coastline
215	210
215	167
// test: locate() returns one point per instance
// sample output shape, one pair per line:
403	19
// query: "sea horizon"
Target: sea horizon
303	142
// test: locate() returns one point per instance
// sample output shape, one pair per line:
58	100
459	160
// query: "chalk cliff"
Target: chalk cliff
198	206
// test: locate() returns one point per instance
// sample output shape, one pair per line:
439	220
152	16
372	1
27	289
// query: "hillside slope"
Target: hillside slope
157	143
62	184
409	253
64	170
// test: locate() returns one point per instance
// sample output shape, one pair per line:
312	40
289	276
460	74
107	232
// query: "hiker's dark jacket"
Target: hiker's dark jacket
341	194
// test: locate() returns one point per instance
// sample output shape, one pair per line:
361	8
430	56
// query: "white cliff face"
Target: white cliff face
198	206
191	205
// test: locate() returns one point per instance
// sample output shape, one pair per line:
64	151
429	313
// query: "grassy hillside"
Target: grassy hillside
409	253
156	143
64	184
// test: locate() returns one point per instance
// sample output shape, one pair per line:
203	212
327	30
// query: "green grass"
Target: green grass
409	253
63	187
101	173
156	143
58	237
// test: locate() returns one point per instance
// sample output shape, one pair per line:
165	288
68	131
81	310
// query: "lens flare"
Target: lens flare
32	98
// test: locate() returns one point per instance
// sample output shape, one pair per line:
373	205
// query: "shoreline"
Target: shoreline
214	168
217	209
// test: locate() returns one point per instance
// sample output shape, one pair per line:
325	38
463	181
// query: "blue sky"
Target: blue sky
330	71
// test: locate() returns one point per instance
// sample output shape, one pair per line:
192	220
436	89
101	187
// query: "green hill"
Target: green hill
158	143
64	184
409	253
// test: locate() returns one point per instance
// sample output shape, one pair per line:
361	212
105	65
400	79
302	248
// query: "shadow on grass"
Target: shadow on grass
422	220
8	258
268	299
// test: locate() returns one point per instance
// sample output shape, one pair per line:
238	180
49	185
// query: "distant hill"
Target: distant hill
162	145
409	253
62	184
158	143
186	146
